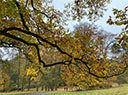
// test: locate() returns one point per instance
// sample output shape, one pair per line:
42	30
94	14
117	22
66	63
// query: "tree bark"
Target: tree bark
29	83
18	83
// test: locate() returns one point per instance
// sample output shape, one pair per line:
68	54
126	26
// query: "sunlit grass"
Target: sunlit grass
112	91
20	93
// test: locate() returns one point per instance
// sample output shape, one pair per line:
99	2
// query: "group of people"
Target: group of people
65	88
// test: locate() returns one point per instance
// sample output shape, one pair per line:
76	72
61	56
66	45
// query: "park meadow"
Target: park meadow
111	91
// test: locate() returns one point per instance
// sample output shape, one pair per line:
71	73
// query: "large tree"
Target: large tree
37	29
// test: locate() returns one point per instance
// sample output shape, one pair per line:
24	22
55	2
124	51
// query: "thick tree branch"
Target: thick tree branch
31	44
21	16
4	32
43	40
36	36
99	76
57	63
25	42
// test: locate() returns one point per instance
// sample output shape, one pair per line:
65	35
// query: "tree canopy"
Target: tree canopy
38	30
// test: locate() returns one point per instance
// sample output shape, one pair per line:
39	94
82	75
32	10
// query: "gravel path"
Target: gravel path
43	93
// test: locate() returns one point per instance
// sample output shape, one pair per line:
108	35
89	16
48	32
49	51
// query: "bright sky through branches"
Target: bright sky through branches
119	4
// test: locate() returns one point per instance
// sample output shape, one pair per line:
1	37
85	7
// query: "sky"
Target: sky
119	4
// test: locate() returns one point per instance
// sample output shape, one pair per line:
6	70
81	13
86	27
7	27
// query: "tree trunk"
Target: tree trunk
42	88
18	81
29	82
52	89
55	88
4	86
22	88
37	88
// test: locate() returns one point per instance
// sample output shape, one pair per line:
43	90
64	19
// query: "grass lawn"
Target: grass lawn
20	93
112	91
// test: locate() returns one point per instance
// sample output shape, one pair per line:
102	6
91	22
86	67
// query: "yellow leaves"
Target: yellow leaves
105	72
110	21
31	53
84	45
33	78
73	61
81	78
4	81
32	71
66	63
124	45
119	23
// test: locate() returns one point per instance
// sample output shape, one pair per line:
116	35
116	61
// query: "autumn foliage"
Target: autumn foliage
37	29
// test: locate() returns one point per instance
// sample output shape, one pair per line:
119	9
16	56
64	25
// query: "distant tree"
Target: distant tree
51	80
122	79
91	46
5	81
18	75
